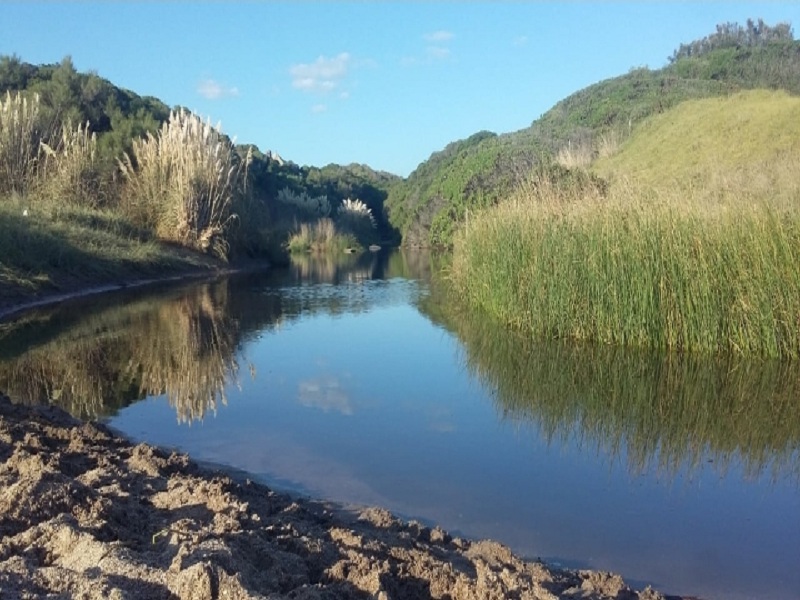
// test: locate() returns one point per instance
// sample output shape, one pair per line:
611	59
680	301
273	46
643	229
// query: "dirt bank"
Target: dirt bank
86	514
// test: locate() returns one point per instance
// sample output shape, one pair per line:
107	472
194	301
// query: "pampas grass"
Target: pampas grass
320	236
21	131
181	183
70	175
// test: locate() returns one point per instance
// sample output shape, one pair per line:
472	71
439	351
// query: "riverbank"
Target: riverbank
85	513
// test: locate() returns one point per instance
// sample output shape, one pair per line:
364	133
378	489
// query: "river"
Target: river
355	380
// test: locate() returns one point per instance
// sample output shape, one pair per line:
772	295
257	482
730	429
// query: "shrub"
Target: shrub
355	217
308	206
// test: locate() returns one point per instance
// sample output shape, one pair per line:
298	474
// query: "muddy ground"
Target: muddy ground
86	514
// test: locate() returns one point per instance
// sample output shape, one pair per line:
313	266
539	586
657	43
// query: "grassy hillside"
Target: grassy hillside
590	123
693	246
748	133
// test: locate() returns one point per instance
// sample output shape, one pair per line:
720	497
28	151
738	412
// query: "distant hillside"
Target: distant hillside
435	198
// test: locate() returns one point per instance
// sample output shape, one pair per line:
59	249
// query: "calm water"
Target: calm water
354	382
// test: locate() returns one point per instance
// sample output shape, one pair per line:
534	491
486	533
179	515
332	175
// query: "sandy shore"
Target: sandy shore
86	514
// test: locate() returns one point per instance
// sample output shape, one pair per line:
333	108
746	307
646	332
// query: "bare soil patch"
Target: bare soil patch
86	514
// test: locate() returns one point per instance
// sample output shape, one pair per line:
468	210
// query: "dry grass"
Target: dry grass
21	131
320	236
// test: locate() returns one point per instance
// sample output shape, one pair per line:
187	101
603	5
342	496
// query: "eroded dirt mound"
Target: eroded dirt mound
84	513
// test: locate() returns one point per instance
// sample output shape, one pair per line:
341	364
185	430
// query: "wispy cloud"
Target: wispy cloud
213	90
437	37
319	108
437	49
321	76
325	393
520	40
438	52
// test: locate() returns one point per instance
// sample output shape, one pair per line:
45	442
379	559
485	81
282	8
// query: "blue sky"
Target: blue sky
381	83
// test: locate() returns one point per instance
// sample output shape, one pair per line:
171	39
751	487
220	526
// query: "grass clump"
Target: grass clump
700	261
639	268
321	236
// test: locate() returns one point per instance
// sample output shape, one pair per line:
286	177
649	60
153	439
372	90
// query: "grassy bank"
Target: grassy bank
51	251
703	258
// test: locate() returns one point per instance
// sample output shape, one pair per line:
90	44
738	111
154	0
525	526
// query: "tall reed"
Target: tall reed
320	236
714	270
21	131
70	174
182	182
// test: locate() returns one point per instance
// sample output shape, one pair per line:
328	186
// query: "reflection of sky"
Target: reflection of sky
374	407
325	393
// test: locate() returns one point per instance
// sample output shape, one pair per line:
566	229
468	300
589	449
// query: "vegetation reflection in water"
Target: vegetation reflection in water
92	359
649	409
180	344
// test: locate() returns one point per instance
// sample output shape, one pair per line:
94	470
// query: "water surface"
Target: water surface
354	381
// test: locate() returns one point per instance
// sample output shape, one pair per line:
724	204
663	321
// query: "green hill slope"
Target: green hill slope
591	122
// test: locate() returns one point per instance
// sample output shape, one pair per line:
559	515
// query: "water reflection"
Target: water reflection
181	345
651	410
93	357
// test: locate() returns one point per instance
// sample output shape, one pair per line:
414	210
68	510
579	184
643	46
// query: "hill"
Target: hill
590	123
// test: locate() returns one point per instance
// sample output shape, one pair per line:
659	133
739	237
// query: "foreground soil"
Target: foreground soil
86	514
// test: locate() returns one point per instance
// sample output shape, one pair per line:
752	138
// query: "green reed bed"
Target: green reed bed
667	270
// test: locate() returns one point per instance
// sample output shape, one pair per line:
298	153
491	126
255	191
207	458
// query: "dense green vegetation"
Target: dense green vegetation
435	199
694	246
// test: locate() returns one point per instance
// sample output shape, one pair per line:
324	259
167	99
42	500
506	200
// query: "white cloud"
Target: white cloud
440	36
436	49
438	52
319	108
213	90
321	76
324	393
520	40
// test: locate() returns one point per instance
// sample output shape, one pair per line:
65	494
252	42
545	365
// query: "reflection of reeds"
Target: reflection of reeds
651	409
182	346
187	352
327	268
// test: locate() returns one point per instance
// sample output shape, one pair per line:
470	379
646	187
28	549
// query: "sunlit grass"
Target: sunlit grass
321	236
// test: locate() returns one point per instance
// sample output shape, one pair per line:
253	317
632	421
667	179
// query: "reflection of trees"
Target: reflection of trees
651	409
182	345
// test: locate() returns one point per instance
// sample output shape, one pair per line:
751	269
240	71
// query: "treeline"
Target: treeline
115	115
436	198
734	35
